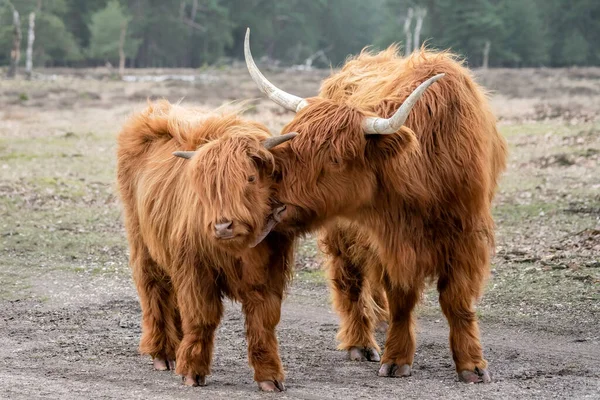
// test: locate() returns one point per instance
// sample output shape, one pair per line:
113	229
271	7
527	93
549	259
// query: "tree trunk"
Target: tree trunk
15	53
122	49
407	33
420	14
30	40
486	54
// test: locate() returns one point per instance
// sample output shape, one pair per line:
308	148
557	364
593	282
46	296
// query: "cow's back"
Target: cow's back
462	152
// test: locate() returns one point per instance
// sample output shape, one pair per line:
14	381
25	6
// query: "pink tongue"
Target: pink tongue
271	222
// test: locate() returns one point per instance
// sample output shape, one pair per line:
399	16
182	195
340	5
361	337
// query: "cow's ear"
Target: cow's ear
184	154
383	147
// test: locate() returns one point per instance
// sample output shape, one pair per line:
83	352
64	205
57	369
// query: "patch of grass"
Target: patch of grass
314	277
307	247
519	213
543	128
17	156
14	285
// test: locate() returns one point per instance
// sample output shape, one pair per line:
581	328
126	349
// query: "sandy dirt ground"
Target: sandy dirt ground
69	316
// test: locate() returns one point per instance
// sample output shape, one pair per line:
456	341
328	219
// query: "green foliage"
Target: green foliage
523	37
195	33
105	32
54	43
575	49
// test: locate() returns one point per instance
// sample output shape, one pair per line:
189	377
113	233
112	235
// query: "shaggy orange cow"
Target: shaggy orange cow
196	226
403	196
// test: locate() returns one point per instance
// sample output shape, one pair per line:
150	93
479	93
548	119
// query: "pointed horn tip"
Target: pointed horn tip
437	77
275	141
184	154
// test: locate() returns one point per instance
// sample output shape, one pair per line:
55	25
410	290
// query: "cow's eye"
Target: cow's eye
252	178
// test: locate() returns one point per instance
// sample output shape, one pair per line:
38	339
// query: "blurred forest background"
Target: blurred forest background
315	33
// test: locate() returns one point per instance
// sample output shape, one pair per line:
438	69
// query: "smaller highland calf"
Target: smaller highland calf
197	229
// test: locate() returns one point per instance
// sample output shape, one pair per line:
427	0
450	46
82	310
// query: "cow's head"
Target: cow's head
333	167
233	180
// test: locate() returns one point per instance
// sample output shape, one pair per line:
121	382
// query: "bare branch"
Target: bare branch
191	20
122	48
194	25
407	33
318	54
420	14
194	10
30	40
486	54
15	53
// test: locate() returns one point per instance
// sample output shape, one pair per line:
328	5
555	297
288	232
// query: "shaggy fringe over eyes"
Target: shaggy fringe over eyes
228	148
218	174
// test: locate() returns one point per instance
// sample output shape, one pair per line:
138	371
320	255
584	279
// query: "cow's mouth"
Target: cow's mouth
272	220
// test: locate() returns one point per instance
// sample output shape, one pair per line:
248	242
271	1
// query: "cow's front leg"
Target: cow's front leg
400	344
201	310
262	307
459	290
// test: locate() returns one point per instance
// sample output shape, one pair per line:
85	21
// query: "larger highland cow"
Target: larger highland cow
195	229
402	200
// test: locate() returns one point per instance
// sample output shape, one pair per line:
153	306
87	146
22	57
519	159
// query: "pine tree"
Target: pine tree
105	29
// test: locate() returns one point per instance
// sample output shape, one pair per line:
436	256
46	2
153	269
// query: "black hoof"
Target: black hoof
356	353
394	371
476	376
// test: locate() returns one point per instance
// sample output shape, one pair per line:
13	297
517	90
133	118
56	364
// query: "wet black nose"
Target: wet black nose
224	230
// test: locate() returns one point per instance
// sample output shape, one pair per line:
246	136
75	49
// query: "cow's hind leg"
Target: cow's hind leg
459	288
380	303
201	308
161	327
400	344
354	278
356	308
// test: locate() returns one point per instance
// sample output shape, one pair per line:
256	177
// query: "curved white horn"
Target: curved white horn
284	99
388	126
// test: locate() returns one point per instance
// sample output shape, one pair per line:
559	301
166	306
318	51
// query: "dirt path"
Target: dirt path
87	349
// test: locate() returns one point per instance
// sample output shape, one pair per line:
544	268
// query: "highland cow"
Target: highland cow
403	196
196	228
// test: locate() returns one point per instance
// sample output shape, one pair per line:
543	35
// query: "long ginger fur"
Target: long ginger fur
181	271
397	210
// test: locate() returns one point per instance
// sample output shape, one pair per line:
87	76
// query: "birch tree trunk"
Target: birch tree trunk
420	14
122	49
30	40
15	53
407	32
486	54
